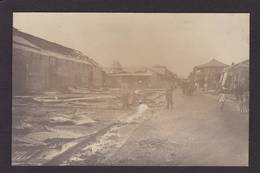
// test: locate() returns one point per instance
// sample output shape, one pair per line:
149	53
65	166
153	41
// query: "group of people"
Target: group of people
131	96
244	102
188	87
242	98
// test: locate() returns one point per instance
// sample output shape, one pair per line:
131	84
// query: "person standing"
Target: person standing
222	99
125	96
169	96
183	86
246	101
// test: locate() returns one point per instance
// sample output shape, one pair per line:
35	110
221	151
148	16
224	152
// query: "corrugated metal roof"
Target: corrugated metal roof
52	47
48	54
24	42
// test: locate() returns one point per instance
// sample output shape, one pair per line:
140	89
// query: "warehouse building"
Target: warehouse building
40	65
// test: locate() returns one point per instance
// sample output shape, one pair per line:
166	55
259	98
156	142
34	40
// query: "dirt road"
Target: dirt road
195	133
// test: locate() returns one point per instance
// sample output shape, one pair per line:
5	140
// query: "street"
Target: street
194	133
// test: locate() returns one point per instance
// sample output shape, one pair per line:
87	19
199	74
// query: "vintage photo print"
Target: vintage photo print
130	89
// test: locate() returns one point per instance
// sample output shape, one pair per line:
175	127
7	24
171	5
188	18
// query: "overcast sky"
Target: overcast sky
179	41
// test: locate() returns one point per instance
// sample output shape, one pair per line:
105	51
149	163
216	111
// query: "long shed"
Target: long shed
40	65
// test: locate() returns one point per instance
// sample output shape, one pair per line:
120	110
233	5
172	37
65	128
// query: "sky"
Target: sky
179	41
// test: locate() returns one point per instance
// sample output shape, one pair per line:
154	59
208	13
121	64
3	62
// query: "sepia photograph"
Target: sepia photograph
130	89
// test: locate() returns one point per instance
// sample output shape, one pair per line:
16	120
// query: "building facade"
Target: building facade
40	65
208	75
152	77
236	75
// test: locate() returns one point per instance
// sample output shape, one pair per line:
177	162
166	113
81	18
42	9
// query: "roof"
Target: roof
21	41
45	44
212	63
48	53
140	71
143	74
52	47
128	69
159	69
242	64
135	69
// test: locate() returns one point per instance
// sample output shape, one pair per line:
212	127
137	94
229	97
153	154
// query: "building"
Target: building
142	77
162	76
208	74
41	65
236	75
139	79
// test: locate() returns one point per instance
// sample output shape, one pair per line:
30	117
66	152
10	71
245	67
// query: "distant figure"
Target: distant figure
169	96
125	96
131	96
222	99
201	83
184	87
190	88
196	85
238	91
205	86
244	102
241	104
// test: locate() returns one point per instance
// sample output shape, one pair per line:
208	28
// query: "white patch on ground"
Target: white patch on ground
75	159
102	144
30	141
141	109
53	133
52	153
77	119
83	119
59	119
23	125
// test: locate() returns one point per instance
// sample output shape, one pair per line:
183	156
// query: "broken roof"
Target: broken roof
49	46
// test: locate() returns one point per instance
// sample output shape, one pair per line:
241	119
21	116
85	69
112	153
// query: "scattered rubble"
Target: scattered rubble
51	123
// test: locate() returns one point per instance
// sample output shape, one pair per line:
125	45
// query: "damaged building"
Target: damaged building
142	77
236	75
208	74
41	65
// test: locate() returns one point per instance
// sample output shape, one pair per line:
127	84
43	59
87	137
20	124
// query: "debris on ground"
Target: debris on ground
49	123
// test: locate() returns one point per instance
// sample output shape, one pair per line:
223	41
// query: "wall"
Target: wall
211	76
98	77
36	72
